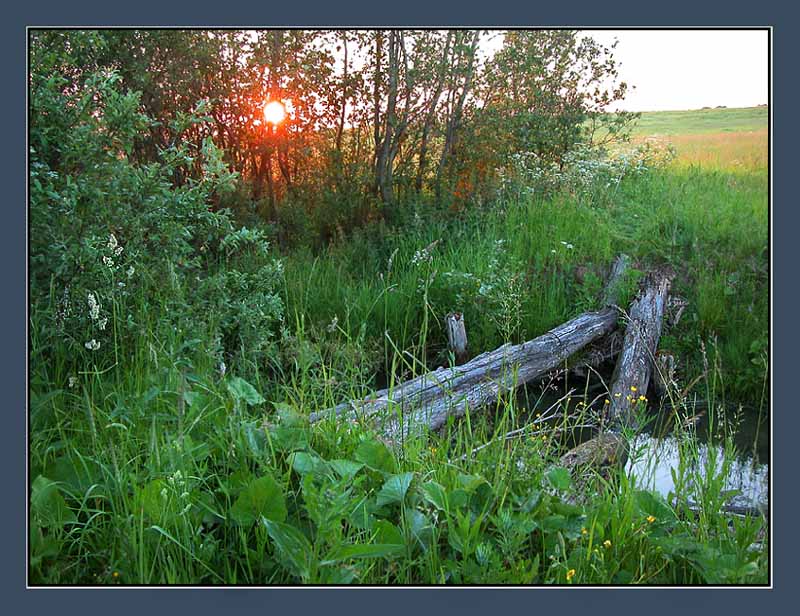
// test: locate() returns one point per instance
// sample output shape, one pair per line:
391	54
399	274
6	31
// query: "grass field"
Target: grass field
749	119
160	471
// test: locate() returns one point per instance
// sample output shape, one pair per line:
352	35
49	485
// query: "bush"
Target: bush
122	247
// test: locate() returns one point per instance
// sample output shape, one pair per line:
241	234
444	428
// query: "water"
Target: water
658	457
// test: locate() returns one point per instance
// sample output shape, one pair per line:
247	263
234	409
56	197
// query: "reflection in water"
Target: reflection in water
657	458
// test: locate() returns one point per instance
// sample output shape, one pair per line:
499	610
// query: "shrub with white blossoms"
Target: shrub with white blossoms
584	171
115	237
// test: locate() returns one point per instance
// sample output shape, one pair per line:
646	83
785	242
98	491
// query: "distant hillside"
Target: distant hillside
699	121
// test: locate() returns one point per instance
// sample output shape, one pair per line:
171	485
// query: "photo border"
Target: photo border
57	601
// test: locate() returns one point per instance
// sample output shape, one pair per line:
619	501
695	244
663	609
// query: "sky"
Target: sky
690	69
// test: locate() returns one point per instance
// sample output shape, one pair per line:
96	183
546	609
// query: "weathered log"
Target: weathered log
456	336
635	362
426	402
631	377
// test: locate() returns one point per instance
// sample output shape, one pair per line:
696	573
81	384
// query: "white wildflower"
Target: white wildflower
222	368
334	322
108	262
102	324
92	345
94	307
113	245
130	271
73	381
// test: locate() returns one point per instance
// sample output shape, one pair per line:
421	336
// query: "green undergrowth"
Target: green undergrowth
170	477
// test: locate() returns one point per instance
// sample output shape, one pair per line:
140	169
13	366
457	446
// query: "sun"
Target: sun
274	112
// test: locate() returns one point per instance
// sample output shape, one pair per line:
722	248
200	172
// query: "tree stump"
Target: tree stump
456	336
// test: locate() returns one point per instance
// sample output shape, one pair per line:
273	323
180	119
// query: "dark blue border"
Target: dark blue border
409	13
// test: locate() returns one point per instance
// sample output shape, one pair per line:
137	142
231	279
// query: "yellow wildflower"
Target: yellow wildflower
606	402
642	399
606	544
651	519
584	531
633	388
570	574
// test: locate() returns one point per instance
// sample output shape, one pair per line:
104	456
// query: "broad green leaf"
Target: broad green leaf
361	515
457	498
241	390
470	482
376	455
153	500
420	527
388	533
48	505
305	463
559	478
262	497
651	503
434	493
76	477
394	489
293	546
346	468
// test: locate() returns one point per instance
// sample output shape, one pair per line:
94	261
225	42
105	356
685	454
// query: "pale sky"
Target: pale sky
690	69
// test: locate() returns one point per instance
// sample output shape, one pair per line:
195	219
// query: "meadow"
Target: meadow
166	467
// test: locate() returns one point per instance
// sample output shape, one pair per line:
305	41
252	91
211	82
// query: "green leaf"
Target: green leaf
457	498
388	533
154	501
434	493
421	528
361	516
470	482
651	503
346	468
305	463
370	550
376	456
293	547
242	390
262	498
48	505
395	488
559	478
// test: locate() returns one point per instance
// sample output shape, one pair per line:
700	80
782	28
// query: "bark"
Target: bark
631	377
635	363
340	129
456	336
428	401
431	114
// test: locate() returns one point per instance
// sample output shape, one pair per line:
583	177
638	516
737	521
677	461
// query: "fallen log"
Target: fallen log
631	378
426	402
636	359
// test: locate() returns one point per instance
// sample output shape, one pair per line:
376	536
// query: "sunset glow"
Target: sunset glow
274	112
